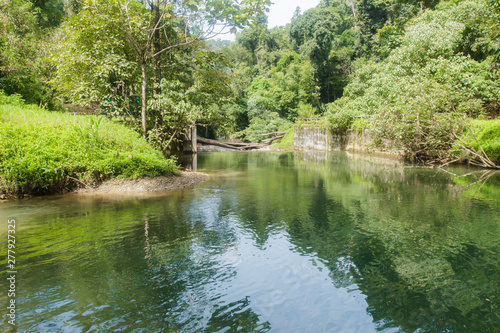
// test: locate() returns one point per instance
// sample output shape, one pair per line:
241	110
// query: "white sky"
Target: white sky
281	11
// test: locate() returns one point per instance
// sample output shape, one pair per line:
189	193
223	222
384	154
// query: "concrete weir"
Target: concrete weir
318	138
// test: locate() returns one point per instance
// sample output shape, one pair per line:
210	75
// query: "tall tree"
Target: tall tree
140	33
285	87
325	36
49	13
22	50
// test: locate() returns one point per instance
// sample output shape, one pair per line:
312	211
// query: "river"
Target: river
274	242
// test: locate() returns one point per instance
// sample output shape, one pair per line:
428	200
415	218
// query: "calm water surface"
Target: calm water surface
274	242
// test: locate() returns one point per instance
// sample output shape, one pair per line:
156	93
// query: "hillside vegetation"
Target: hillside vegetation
420	94
418	72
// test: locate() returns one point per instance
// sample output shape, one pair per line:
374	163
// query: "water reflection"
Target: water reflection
280	242
190	162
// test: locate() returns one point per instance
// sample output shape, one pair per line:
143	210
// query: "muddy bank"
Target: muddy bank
148	185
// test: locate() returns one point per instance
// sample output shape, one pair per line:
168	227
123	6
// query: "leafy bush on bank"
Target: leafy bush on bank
46	152
485	133
419	94
267	122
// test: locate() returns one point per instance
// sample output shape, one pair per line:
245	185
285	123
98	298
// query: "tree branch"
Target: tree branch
128	29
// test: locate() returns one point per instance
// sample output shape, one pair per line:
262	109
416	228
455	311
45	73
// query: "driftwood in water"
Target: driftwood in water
237	144
231	145
253	145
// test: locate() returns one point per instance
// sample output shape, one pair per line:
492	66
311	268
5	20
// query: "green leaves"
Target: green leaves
484	132
324	36
420	90
115	51
178	104
287	85
95	63
23	48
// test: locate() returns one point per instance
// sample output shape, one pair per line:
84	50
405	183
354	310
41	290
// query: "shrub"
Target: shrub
419	93
305	111
487	133
339	117
14	99
266	123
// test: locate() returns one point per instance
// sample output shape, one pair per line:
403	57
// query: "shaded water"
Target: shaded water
274	242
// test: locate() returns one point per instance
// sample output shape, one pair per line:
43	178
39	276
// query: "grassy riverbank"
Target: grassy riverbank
43	152
286	143
484	136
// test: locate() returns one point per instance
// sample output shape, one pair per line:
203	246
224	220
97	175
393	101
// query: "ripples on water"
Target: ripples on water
277	242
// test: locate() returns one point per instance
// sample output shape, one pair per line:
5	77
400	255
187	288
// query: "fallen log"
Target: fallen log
254	146
237	144
272	133
231	145
216	143
272	139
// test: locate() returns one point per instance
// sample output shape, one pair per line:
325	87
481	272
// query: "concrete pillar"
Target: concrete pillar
190	145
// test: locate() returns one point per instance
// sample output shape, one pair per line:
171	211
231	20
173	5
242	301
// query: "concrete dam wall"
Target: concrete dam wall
318	138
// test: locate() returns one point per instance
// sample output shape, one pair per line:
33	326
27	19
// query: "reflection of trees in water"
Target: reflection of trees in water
395	232
236	316
474	179
193	268
422	250
409	235
140	264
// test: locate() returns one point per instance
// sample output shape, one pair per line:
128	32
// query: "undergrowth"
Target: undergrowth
487	134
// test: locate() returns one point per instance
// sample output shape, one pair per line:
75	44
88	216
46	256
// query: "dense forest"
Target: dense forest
413	72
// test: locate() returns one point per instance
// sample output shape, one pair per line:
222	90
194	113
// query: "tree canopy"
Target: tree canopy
157	63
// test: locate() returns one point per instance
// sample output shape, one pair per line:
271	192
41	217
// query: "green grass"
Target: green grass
43	152
286	142
487	133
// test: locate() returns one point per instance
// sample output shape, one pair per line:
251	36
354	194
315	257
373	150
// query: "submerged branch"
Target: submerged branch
88	186
483	159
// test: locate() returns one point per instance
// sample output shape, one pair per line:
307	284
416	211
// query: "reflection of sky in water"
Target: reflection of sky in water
293	292
287	289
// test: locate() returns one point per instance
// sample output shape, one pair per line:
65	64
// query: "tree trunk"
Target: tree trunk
143	99
353	7
157	43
